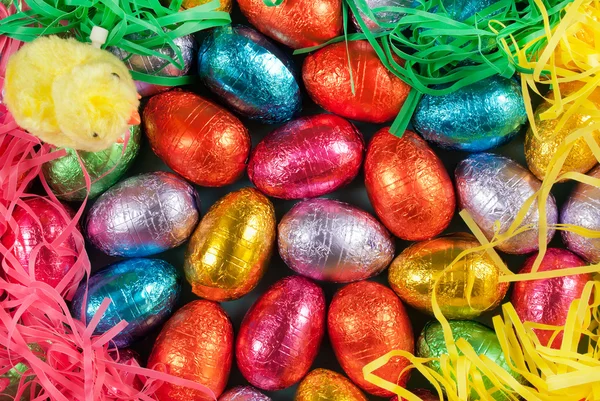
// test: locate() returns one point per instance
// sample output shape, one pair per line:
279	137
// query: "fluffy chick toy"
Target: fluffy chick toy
70	94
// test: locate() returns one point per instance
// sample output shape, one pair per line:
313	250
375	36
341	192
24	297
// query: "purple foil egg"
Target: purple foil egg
494	188
243	393
328	240
307	157
143	215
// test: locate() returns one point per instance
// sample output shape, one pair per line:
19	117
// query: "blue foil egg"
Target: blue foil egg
475	118
250	74
143	292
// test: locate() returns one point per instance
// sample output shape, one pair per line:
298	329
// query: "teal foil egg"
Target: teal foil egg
475	118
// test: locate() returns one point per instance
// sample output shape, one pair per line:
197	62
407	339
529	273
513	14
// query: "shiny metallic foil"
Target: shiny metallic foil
494	188
388	17
65	177
461	10
548	301
328	240
226	5
142	292
196	138
10	382
431	344
326	385
297	23
143	215
280	335
470	288
307	157
408	186
250	74
378	94
367	320
243	393
195	344
230	250
423	394
478	117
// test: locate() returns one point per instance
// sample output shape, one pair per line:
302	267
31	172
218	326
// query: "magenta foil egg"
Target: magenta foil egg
243	393
328	240
307	157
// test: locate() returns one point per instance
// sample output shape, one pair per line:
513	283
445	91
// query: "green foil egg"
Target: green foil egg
9	381
65	177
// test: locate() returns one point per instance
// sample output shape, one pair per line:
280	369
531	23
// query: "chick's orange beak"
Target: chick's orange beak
135	118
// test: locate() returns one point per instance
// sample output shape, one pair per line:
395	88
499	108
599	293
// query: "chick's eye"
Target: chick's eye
114	74
95	135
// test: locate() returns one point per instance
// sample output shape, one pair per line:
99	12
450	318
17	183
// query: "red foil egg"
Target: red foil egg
423	394
408	186
307	157
378	95
199	140
547	301
366	320
195	344
280	335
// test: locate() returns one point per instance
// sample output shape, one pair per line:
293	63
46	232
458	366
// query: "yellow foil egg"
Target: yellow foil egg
325	385
465	291
230	249
225	4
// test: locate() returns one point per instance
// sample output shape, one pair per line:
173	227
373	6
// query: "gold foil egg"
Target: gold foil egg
229	251
465	291
225	4
326	385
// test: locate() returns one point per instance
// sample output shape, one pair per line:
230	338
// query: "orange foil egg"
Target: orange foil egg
326	385
378	94
366	320
195	344
408	186
196	138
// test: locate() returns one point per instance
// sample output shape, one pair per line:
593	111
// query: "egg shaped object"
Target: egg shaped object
143	215
250	74
280	335
478	117
328	240
143	292
464	291
296	23
199	140
386	18
378	95
225	5
65	176
408	186
492	189
366	320
423	394
326	385
243	393
230	250
195	344
307	157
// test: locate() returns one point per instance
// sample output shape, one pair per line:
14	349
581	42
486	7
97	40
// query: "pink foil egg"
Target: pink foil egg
280	335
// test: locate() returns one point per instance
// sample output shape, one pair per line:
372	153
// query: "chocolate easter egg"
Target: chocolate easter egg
477	117
250	74
296	23
326	385
492	189
325	239
225	5
367	320
423	394
307	157
281	334
143	292
243	393
143	215
196	138
378	95
229	251
408	186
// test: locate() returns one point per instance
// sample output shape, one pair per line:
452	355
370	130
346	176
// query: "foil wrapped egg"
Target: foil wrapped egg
328	240
226	5
464	291
199	140
143	215
229	251
378	94
243	393
326	385
143	292
307	157
65	176
461	10
366	320
423	394
280	335
477	117
298	23
196	344
408	186
381	17
250	74
10	381
492	189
